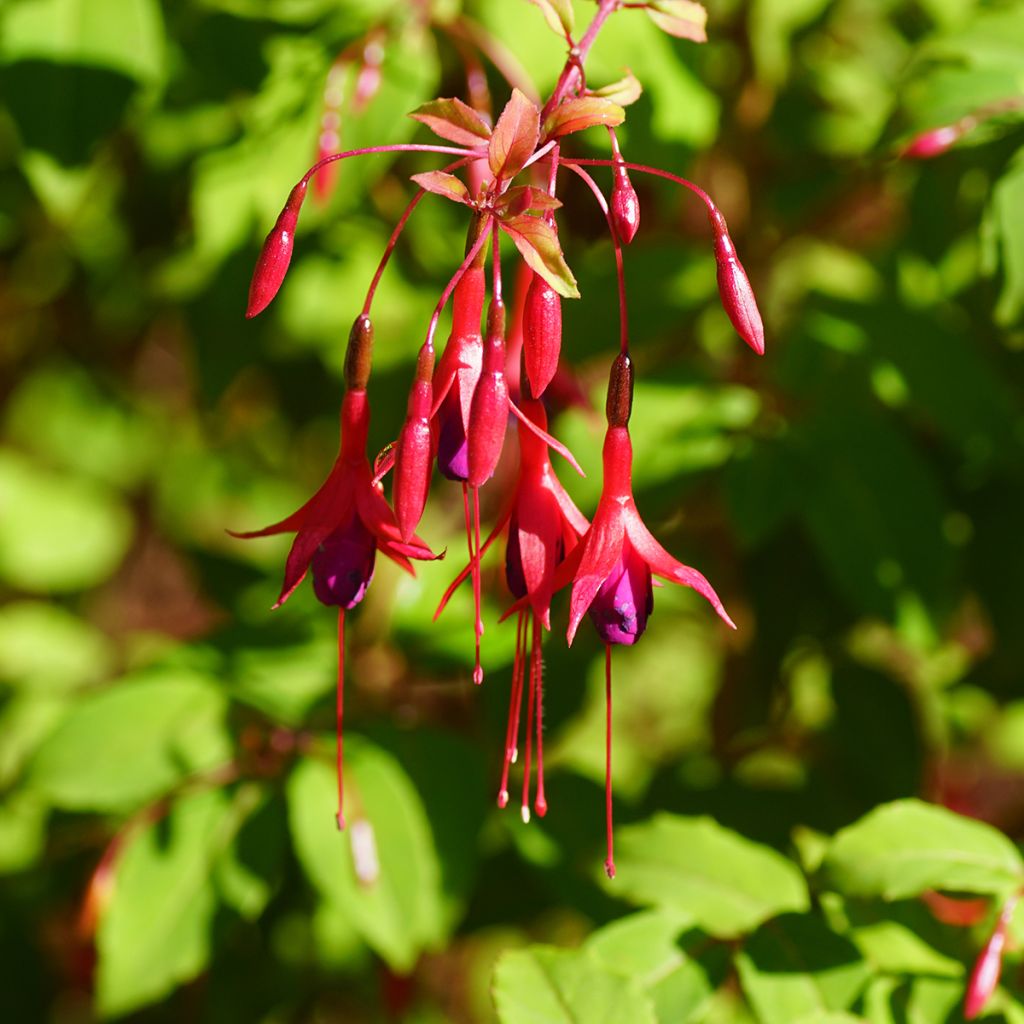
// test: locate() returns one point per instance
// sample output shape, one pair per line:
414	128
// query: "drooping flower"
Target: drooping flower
339	531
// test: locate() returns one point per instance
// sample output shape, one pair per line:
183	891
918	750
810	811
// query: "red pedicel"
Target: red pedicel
625	206
542	334
276	254
733	286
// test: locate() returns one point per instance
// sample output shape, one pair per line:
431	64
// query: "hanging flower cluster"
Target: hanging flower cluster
500	367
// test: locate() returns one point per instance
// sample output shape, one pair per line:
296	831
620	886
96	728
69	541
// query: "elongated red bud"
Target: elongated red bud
989	965
934	142
734	288
414	455
276	254
488	415
625	206
542	334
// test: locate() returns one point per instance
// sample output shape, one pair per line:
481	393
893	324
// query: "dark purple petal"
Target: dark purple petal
624	601
452	444
343	565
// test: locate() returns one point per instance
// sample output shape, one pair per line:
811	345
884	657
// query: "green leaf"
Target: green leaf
131	743
537	242
559	15
543	985
247	872
442	184
453	120
120	35
684	19
906	847
398	908
1007	202
727	883
625	91
22	830
796	967
156	932
57	532
575	115
515	136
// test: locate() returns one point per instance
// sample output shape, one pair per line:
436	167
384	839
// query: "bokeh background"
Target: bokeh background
856	496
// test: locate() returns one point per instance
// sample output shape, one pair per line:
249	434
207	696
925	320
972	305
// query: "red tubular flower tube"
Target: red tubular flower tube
414	451
488	417
542	334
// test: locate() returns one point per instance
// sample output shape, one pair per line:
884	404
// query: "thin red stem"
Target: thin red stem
540	803
609	864
570	76
644	169
403	147
620	272
339	713
393	240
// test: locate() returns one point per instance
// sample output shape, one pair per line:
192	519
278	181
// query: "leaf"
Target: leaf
544	985
515	136
684	19
442	184
250	866
453	120
796	967
521	199
559	15
156	932
625	91
906	847
399	914
131	743
727	883
537	241
1007	200
584	112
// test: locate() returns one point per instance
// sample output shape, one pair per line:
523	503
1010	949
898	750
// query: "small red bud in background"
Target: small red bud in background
488	416
989	965
934	142
542	334
276	254
625	206
414	455
734	287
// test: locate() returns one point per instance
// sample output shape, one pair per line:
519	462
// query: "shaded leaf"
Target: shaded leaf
442	184
906	847
684	19
727	883
558	14
544	985
583	112
537	241
625	91
515	136
453	120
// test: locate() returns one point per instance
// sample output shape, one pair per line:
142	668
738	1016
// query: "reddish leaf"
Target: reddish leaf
515	136
522	199
558	14
537	241
453	120
442	184
685	19
625	91
585	112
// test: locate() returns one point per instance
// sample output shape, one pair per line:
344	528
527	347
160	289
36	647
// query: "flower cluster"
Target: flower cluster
500	367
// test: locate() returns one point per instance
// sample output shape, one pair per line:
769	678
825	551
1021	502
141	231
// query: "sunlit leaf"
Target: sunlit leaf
625	91
454	120
683	18
538	243
558	14
575	115
515	136
442	184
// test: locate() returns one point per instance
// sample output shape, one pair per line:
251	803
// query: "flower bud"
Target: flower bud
542	334
359	354
989	965
619	404
624	602
276	254
488	415
413	457
625	206
343	564
734	288
934	142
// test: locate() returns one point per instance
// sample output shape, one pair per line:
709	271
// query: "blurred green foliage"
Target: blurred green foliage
856	496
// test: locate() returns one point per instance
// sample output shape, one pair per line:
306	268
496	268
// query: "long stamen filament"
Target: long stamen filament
512	728
540	803
525	811
339	715
474	554
609	864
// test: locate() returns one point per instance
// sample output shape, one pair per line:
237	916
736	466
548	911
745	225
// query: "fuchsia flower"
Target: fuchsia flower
340	529
989	965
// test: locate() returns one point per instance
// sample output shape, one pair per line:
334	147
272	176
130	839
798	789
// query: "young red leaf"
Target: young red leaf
521	199
625	91
537	242
515	136
442	184
684	19
558	14
576	114
453	120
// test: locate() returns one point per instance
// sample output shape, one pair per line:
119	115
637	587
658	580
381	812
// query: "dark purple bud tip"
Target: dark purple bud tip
452	444
625	600
343	565
275	255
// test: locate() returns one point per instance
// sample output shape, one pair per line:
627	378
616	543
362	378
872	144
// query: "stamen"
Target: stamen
478	672
339	709
512	728
609	864
475	574
540	804
529	737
